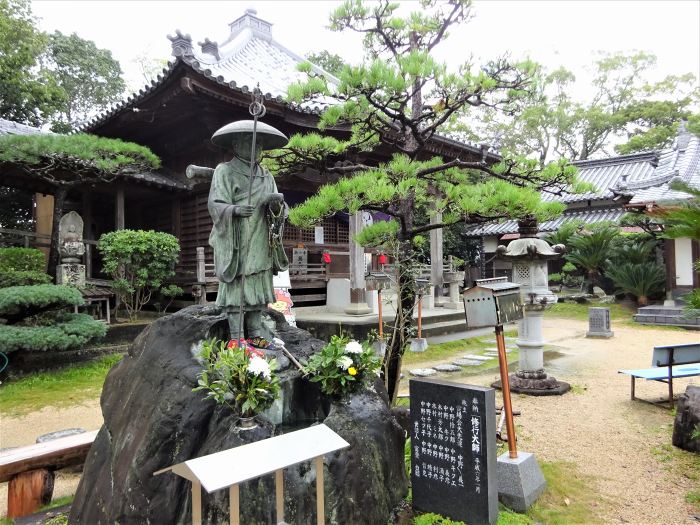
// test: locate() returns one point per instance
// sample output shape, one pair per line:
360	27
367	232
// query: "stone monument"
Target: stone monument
529	256
453	450
599	323
71	271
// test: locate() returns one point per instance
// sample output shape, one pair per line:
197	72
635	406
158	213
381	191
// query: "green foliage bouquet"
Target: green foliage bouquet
237	376
341	365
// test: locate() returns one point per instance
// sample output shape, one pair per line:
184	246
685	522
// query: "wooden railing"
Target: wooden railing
27	239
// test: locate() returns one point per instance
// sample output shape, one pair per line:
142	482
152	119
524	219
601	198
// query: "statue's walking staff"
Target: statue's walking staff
257	110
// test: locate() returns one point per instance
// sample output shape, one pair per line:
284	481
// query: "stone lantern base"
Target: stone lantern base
537	383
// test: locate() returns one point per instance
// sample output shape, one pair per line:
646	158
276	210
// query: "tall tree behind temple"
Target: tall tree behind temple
90	77
27	94
329	61
624	113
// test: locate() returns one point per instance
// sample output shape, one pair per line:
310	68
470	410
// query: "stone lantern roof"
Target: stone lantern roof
529	246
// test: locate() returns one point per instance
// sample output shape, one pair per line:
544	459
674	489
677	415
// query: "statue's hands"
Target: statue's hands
243	210
274	198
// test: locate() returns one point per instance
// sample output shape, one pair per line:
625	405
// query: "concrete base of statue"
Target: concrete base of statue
520	481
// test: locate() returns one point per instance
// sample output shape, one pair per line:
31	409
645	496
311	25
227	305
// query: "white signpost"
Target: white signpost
229	468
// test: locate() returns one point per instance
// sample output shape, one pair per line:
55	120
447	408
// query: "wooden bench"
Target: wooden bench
668	363
29	470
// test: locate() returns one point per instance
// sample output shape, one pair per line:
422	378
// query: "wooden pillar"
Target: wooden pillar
43	215
28	491
234	505
358	298
176	213
436	255
320	495
196	503
279	496
119	218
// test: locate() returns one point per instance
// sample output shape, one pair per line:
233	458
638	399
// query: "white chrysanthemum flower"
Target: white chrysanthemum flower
344	362
259	366
353	347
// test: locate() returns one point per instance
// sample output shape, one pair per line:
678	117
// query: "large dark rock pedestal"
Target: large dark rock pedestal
686	427
152	420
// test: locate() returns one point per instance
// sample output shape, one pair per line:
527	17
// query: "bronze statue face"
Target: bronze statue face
242	143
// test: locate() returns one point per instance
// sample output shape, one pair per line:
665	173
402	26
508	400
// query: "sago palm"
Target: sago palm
638	279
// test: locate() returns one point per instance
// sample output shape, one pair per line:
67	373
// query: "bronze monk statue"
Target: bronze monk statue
246	237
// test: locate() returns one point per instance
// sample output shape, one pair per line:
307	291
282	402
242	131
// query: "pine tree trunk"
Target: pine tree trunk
403	323
59	200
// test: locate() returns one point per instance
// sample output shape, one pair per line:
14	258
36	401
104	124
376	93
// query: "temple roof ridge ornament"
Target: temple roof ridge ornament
181	44
258	27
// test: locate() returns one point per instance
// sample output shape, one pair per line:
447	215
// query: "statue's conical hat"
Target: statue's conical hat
267	136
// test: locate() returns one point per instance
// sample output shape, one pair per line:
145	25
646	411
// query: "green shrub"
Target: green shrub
555	278
23	278
139	262
66	331
25	301
639	279
435	519
21	260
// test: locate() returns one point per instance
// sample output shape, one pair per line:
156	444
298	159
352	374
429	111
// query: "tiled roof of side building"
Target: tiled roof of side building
589	216
679	163
605	174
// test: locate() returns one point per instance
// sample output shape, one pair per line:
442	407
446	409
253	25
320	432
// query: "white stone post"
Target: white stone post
358	299
436	256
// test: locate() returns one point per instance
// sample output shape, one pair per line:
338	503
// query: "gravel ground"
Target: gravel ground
597	427
608	436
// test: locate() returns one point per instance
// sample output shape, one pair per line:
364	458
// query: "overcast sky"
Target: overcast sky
555	33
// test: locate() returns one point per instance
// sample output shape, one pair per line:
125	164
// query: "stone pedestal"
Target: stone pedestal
520	481
71	275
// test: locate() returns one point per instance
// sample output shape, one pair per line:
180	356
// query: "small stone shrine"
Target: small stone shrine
453	450
71	271
529	256
599	323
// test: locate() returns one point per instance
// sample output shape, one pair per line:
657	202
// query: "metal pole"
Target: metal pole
505	388
379	311
256	109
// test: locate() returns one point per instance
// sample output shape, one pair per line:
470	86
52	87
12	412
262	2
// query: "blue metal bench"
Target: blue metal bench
668	363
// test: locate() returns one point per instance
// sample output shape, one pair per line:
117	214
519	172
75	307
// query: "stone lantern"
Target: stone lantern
529	256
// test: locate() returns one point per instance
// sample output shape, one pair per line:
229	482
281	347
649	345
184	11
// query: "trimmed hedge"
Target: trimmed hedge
21	260
23	278
16	300
70	331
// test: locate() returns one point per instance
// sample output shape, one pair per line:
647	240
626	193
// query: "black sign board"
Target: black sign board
453	450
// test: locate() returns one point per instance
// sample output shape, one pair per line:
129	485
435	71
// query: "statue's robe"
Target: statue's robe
229	188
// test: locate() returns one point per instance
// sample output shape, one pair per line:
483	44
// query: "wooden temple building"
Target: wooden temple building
203	88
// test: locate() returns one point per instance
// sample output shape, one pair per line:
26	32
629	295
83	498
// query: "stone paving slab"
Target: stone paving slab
475	357
447	368
466	362
423	372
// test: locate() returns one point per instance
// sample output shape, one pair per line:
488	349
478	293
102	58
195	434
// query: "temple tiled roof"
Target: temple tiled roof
588	216
680	163
248	57
606	174
9	127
